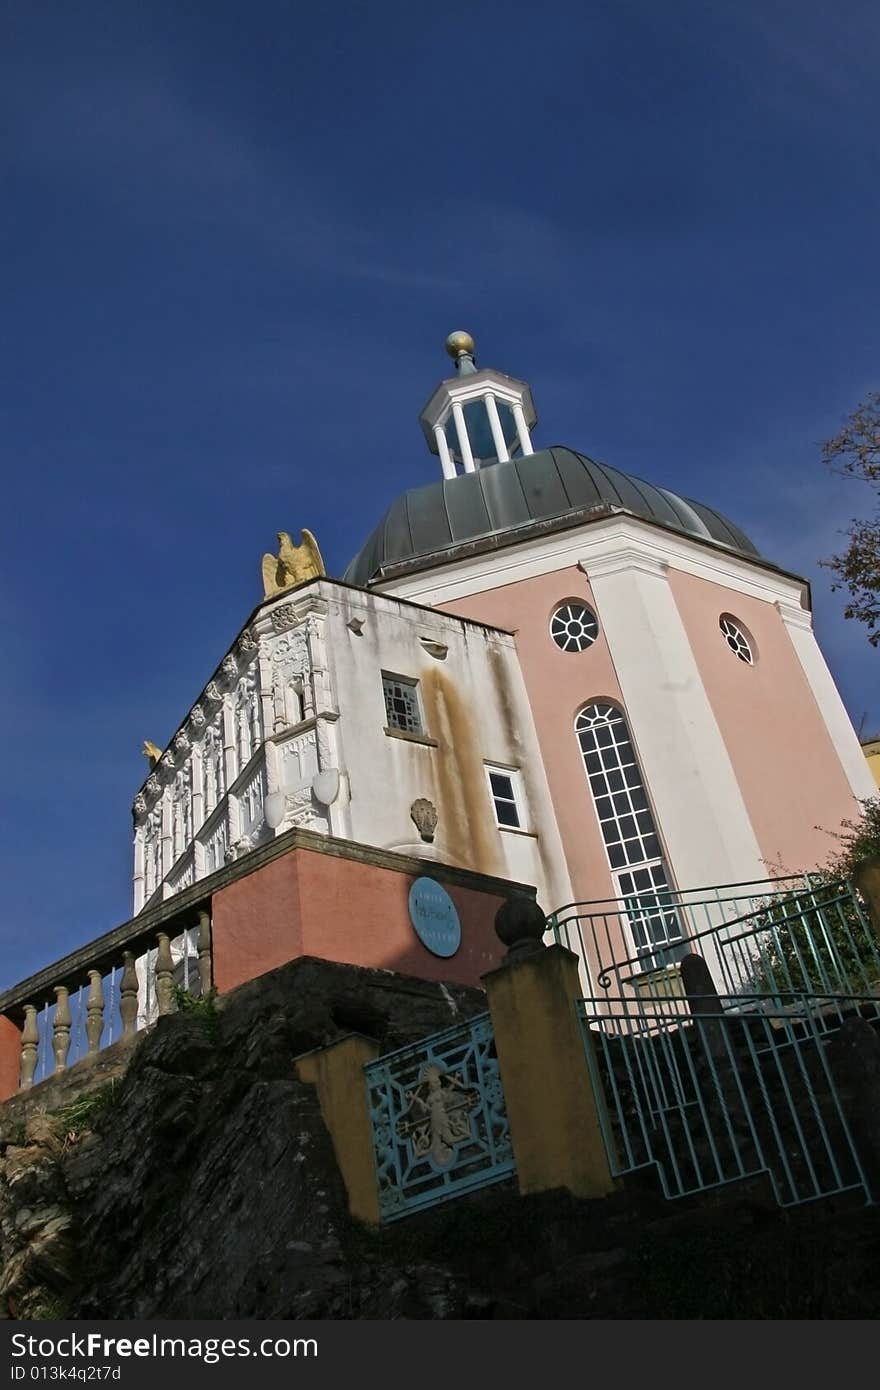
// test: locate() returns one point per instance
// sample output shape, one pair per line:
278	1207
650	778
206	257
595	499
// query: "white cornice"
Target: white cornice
629	558
793	616
592	543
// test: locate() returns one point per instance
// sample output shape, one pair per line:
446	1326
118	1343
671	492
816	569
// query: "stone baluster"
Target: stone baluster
94	1012
128	995
61	1028
164	974
206	977
30	1042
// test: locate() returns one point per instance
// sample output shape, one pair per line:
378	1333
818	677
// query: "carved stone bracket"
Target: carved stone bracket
285	617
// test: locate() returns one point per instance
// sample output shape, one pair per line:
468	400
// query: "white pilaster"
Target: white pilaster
198	797
497	432
446	460
522	429
798	623
700	809
464	444
230	766
167	846
138	868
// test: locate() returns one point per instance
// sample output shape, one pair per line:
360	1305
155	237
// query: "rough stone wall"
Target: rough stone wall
204	1185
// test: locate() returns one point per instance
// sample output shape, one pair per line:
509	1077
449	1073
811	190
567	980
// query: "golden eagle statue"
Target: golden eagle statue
151	751
292	565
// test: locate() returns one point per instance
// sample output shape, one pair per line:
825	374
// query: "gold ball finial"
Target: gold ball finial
458	343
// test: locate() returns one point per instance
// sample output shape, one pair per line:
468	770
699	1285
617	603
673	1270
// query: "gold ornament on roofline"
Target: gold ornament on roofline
292	565
151	751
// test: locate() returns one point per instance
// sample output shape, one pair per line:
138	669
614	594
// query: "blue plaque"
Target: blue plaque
434	918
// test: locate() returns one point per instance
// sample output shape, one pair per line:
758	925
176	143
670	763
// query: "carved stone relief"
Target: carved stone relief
284	617
299	760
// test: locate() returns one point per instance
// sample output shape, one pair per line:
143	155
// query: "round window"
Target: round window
736	639
573	627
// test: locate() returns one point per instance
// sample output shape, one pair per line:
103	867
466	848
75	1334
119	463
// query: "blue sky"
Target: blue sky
232	241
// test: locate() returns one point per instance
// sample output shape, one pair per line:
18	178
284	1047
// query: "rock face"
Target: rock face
205	1186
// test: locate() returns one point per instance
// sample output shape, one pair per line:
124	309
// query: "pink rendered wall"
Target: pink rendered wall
10	1057
559	684
311	904
785	762
255	923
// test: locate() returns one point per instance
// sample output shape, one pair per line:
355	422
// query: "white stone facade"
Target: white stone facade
300	697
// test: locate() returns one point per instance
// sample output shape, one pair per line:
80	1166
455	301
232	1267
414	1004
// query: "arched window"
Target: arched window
629	832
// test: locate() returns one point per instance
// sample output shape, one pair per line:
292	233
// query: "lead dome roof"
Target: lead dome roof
555	488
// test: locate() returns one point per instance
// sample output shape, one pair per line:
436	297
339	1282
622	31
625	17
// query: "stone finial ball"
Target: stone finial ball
459	342
520	923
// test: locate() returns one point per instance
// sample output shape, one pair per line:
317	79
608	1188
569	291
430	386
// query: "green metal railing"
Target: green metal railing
783	937
724	1095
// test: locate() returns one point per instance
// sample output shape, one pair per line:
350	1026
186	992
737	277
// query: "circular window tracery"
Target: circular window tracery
736	639
573	627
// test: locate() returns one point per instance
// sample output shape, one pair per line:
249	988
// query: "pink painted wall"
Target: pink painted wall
255	923
785	762
559	684
10	1057
312	904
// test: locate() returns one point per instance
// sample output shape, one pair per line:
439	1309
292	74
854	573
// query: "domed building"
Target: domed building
539	676
538	669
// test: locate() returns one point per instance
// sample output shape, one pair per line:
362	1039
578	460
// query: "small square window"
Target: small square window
505	790
401	704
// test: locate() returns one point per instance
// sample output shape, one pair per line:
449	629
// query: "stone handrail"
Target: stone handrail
93	1004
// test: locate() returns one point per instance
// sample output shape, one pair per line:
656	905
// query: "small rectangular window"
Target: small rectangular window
402	704
506	796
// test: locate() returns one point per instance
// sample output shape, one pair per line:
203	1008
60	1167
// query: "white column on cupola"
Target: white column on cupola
459	403
522	429
464	444
497	432
446	461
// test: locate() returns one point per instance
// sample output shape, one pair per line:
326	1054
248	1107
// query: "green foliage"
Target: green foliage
85	1112
860	841
201	1008
51	1308
855	453
816	939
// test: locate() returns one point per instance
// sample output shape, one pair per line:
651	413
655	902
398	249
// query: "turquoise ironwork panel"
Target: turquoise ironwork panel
721	1095
439	1119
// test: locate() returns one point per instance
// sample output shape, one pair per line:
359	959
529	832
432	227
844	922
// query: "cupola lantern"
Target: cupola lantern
479	416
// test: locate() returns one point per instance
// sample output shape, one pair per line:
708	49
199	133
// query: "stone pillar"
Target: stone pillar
10	1057
206	976
164	974
551	1105
30	1046
95	1012
128	995
338	1073
61	1028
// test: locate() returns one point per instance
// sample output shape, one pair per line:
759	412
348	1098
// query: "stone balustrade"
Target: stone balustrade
75	1020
